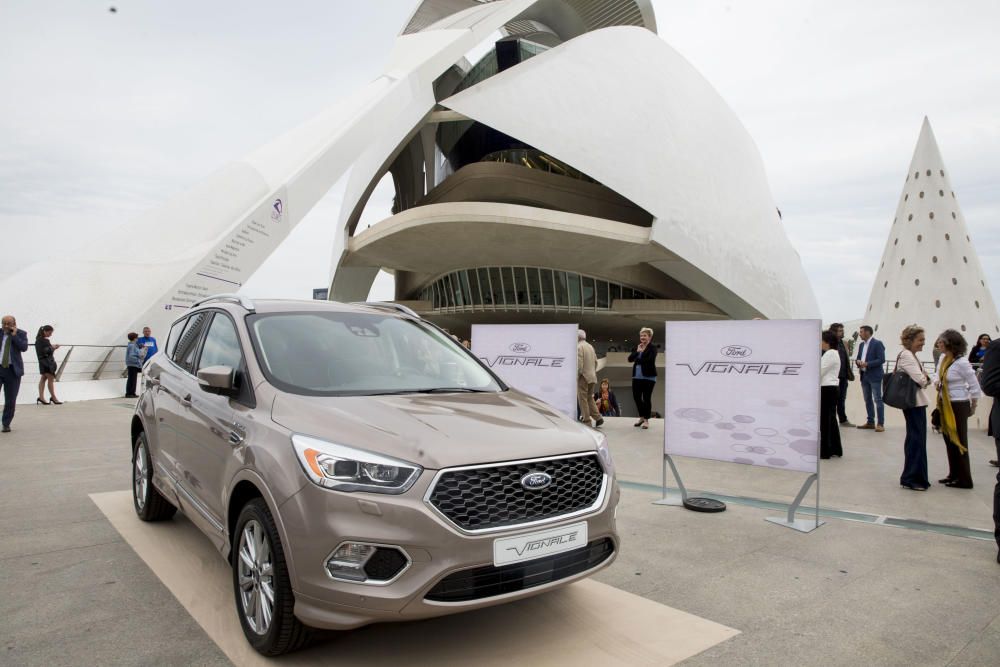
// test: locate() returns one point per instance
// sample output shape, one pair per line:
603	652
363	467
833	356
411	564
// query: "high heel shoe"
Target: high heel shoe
55	401
41	401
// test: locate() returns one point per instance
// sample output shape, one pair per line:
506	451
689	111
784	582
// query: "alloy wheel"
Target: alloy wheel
256	577
140	476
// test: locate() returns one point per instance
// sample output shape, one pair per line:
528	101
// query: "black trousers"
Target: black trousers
829	429
959	470
11	384
133	376
841	400
642	392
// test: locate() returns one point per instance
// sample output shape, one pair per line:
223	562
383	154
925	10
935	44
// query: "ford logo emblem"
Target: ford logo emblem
536	481
520	347
736	351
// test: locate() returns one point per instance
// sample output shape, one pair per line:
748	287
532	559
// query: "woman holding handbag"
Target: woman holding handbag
914	476
958	392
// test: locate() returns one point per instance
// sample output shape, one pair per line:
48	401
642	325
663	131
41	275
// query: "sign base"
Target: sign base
706	505
801	525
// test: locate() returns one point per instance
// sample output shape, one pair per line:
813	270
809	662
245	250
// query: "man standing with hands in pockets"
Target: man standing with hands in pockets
13	342
870	362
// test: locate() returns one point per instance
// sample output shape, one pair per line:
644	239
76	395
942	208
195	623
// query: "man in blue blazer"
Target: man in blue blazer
871	363
13	342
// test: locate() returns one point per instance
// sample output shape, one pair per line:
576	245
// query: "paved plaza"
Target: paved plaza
894	577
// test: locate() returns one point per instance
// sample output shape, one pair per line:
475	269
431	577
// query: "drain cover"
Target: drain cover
705	505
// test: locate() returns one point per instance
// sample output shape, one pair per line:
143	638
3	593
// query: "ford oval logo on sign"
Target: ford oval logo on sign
736	351
520	347
536	481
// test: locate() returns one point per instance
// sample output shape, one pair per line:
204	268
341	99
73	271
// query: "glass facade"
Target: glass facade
524	288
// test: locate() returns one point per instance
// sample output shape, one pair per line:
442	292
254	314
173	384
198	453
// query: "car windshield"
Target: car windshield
358	354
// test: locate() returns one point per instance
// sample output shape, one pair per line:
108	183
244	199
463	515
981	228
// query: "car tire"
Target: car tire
149	504
260	573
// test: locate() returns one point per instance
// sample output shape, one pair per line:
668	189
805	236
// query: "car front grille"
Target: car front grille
489	497
490	581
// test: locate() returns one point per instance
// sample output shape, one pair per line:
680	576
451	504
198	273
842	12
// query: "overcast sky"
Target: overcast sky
105	115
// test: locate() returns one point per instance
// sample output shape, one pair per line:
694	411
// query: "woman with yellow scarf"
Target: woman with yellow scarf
958	393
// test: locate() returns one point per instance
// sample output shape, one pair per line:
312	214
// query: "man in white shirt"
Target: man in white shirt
871	362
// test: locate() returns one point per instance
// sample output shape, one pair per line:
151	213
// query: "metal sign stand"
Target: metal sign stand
801	525
672	499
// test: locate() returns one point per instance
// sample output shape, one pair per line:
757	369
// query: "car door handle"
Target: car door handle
186	401
237	435
152	382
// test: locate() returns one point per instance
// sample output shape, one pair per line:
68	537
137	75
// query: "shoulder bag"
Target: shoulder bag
898	388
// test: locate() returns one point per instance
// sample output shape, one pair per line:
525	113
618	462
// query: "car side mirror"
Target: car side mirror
217	380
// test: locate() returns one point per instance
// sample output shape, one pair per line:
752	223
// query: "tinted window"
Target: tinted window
222	345
174	336
187	346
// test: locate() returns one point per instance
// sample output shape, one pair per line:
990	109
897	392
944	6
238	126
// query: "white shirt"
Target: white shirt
962	383
864	349
829	368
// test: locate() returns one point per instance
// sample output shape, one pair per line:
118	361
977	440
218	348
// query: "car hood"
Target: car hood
439	430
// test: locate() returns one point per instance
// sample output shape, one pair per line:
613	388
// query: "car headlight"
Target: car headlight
347	469
602	448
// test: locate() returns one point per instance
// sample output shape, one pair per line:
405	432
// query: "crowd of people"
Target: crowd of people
14	343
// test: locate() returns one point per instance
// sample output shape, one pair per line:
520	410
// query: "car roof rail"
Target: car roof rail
389	305
243	301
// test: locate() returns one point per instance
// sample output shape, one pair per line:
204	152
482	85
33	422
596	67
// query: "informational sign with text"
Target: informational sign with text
538	359
743	391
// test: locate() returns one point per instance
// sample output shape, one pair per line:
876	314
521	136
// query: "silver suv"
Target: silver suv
355	464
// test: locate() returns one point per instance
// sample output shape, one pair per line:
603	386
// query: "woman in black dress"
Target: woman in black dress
46	365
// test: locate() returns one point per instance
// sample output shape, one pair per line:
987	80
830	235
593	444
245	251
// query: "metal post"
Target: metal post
801	525
62	366
672	500
100	369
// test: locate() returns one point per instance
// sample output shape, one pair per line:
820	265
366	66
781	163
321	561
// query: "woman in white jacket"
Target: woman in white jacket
829	393
914	475
958	392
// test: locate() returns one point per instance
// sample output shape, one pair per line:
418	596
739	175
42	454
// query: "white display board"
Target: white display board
743	391
538	359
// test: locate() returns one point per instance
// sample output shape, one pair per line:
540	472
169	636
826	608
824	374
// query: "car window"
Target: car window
222	345
187	346
347	353
174	336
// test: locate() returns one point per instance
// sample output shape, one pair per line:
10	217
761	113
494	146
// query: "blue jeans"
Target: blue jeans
915	448
872	390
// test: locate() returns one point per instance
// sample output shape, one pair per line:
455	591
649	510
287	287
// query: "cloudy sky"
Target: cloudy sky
106	115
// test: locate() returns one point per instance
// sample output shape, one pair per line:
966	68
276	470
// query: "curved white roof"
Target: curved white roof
626	109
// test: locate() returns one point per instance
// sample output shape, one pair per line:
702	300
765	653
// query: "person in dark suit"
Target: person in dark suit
643	358
846	373
990	383
871	362
13	342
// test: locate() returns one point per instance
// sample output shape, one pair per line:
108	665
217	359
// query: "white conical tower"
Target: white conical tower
930	273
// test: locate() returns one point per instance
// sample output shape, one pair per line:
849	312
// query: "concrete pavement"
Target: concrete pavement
72	592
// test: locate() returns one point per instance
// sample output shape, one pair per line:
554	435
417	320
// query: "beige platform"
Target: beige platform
588	623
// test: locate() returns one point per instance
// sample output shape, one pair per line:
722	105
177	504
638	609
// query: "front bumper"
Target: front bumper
317	520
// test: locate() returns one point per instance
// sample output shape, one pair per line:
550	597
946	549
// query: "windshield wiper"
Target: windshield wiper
431	390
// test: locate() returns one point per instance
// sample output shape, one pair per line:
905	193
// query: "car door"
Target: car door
170	391
214	420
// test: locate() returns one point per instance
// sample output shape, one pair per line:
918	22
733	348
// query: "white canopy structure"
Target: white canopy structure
638	167
930	273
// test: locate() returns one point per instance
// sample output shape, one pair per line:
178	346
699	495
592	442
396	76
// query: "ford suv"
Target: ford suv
355	464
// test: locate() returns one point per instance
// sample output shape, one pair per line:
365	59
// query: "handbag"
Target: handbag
898	389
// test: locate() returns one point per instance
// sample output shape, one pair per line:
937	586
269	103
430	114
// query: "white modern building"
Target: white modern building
930	272
580	171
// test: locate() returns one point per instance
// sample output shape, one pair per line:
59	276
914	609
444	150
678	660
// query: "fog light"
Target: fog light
348	561
376	564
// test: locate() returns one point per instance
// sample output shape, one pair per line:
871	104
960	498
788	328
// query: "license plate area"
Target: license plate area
539	544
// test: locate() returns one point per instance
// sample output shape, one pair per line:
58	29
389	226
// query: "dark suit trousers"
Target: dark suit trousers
958	463
11	385
841	410
915	448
